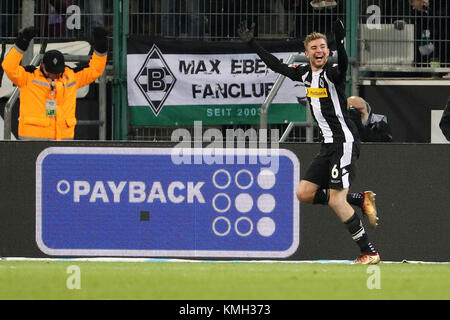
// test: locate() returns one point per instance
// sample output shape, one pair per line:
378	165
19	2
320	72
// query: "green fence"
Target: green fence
120	103
383	36
131	121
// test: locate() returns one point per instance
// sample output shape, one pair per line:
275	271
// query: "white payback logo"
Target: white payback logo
137	191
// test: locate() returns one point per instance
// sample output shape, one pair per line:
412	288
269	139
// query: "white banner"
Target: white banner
72	48
204	79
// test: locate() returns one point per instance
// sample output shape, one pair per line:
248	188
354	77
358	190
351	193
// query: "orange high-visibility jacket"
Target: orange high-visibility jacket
35	90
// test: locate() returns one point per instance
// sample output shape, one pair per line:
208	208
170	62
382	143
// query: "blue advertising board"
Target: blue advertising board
167	202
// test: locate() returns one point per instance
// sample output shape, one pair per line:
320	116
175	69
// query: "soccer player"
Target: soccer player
328	179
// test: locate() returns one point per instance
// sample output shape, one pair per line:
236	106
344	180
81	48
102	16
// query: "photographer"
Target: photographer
372	127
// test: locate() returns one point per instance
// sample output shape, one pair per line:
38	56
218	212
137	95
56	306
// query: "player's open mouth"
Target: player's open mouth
319	58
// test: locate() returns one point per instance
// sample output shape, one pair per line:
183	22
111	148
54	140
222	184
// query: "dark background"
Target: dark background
407	107
411	182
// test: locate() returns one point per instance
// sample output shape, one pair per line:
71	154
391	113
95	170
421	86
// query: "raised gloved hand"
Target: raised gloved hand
339	32
100	41
245	33
24	38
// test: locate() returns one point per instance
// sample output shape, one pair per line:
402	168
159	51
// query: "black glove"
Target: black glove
339	32
100	40
24	38
245	33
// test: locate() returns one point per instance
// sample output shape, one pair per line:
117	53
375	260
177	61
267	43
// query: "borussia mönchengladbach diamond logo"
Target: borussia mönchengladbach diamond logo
155	80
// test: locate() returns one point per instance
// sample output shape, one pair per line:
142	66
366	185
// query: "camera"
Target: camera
354	113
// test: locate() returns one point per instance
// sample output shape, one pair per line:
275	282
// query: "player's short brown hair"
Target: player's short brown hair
314	36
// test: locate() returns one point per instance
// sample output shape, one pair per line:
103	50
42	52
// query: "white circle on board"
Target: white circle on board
266	179
266	226
221	234
266	203
63	187
243	234
240	172
228	179
243	202
221	210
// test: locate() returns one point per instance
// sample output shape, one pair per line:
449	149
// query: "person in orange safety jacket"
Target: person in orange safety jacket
48	93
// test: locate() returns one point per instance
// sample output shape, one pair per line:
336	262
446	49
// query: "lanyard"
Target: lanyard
53	88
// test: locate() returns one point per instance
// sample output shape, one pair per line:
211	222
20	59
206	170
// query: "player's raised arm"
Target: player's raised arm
247	35
339	35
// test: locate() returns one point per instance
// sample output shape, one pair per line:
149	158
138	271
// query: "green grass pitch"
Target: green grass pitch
159	280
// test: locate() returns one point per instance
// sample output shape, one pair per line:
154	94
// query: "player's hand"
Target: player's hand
24	38
339	31
100	39
245	33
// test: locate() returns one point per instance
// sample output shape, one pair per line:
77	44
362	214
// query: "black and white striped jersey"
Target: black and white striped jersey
325	93
326	96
